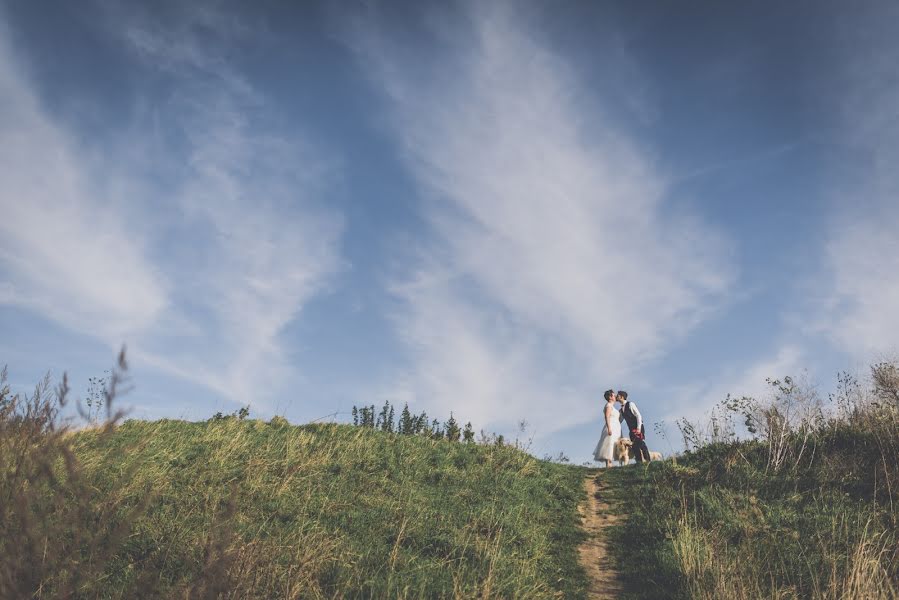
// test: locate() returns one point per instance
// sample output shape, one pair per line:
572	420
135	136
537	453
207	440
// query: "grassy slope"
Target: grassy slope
334	511
716	525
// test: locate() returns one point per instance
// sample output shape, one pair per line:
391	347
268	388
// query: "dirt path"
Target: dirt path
594	552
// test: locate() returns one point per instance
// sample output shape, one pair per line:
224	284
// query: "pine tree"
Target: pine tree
406	424
382	417
355	416
436	431
452	429
468	433
390	420
367	418
421	424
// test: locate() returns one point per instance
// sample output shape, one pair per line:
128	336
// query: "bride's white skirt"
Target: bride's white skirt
605	448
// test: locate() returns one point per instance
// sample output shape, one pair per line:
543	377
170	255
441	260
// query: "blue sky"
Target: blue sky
495	208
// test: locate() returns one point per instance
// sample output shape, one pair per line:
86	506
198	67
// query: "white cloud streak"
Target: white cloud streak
67	249
558	267
239	241
251	196
861	280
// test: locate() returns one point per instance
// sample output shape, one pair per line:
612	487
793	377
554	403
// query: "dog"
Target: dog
624	452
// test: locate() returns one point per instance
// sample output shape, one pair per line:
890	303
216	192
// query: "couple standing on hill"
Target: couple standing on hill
611	431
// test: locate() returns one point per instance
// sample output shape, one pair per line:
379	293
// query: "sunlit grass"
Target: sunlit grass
336	511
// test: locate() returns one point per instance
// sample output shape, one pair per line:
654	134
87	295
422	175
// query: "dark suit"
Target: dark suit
641	452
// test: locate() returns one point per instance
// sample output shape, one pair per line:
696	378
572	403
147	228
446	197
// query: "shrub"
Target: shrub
278	421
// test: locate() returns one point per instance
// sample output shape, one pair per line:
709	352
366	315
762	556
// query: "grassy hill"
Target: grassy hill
270	510
804	504
807	508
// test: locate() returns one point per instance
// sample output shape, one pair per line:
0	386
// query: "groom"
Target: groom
631	414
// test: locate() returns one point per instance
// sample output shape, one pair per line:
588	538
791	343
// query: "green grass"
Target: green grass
331	511
234	508
717	525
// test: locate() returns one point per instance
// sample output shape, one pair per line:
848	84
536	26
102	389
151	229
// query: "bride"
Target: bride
610	432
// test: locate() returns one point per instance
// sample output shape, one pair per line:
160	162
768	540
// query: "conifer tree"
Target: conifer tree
452	429
406	424
436	431
382	417
367	418
421	424
355	416
468	433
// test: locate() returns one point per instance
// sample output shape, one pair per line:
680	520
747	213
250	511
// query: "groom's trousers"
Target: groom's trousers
641	452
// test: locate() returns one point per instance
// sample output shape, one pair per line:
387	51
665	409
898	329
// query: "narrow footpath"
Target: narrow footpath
598	514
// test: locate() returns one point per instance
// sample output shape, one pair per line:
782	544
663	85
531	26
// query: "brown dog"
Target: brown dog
623	451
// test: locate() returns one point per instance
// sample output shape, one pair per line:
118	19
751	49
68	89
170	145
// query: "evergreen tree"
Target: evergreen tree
355	416
452	429
406	421
367	418
382	417
421	424
468	433
390	428
436	431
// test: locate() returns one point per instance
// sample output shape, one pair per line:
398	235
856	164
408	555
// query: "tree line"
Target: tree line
411	424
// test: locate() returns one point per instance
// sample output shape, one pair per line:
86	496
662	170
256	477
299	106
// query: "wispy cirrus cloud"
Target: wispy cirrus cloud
199	275
67	249
252	196
556	266
859	288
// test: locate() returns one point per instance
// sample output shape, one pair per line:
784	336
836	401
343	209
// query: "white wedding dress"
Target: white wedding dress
605	448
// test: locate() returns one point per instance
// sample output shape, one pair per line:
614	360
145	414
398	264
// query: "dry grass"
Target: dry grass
238	508
804	507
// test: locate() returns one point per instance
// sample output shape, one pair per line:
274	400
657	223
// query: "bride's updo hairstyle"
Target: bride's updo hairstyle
608	394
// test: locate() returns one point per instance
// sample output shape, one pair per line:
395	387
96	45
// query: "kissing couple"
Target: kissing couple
610	447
